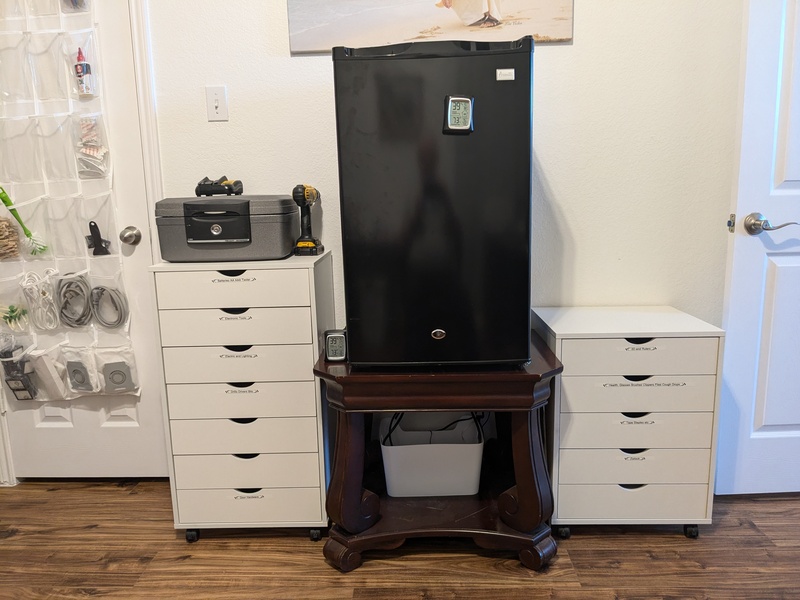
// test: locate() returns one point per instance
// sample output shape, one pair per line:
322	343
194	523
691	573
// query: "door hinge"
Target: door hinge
732	222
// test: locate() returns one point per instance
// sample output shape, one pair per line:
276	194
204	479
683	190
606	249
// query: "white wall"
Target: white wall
635	125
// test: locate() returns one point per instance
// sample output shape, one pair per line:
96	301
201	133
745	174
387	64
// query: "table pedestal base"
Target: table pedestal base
466	516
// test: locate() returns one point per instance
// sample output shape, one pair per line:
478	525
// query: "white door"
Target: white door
759	433
108	436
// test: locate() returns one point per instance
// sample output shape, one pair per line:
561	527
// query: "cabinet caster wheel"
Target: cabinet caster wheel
192	535
563	532
691	531
315	535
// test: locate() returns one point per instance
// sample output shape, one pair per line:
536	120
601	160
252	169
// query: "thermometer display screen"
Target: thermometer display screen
458	117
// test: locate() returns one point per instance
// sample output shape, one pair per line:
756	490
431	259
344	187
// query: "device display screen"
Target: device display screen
459	114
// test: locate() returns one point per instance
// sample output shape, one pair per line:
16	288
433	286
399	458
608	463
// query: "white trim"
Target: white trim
148	122
7	476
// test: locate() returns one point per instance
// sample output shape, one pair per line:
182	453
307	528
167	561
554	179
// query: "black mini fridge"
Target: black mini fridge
435	147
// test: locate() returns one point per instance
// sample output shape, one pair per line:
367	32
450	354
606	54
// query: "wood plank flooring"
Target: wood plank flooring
110	539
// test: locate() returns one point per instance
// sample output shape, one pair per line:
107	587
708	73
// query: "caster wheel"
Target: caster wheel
315	535
563	532
691	531
192	535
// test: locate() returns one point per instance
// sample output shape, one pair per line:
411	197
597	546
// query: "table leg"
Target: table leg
349	505
529	503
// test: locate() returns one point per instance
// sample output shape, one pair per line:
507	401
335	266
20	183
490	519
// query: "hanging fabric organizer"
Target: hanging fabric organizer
64	317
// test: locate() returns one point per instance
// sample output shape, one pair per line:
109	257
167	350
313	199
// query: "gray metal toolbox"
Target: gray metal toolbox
227	228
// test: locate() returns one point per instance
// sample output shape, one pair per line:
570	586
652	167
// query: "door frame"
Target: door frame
148	126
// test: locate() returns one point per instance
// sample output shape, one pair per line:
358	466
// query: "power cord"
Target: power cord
74	305
117	302
38	292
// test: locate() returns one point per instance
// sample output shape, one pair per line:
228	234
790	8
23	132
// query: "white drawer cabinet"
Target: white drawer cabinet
633	422
247	430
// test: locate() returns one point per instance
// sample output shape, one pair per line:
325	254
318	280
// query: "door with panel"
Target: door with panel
759	441
108	435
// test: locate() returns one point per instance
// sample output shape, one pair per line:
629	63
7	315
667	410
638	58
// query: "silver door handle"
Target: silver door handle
130	235
755	223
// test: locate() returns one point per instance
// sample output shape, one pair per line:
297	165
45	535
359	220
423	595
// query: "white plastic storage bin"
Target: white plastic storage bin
432	462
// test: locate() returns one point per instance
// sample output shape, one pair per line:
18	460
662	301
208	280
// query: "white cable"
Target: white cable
39	295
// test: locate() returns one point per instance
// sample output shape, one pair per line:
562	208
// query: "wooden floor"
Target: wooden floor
108	539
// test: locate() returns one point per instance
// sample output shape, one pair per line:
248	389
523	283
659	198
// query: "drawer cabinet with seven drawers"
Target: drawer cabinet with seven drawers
633	422
247	432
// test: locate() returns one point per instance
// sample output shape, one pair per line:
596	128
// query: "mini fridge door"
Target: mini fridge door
435	146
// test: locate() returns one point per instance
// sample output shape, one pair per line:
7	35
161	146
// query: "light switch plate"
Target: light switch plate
217	102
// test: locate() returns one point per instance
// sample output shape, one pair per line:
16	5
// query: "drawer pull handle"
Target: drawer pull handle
638	341
234	311
631	486
248	490
636	377
633	450
244	420
238	348
232	272
241	384
635	415
246	456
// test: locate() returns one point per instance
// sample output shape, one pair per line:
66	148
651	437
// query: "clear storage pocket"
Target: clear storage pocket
16	82
43	14
50	68
99	223
16	367
81	371
110	308
66	227
117	370
40	299
13	307
91	147
12	16
75	6
20	151
31	219
83	60
73	299
49	374
55	134
9	240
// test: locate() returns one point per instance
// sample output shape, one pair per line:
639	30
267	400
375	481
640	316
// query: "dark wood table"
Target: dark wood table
511	509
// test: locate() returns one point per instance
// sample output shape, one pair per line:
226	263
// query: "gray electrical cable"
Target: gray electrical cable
116	300
73	301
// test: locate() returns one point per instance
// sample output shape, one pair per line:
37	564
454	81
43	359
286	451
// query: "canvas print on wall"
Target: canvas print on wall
316	26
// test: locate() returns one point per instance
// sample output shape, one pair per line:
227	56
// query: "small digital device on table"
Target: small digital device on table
335	345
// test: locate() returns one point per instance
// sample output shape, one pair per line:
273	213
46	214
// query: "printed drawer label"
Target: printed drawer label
634	465
209	327
242	399
248	506
617	393
221	364
635	430
233	289
640	356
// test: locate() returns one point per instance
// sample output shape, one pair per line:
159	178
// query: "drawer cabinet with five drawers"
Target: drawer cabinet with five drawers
246	426
633	422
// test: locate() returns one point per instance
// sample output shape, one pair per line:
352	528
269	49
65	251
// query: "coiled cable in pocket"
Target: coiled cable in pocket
75	308
113	298
38	292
